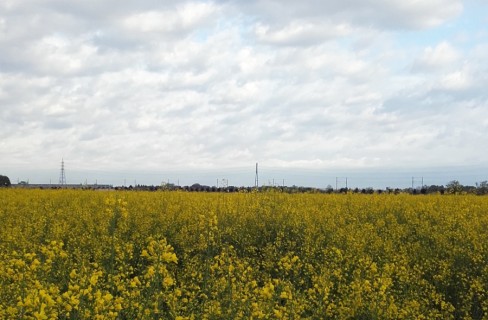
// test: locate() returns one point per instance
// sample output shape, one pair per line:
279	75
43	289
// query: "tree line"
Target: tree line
453	187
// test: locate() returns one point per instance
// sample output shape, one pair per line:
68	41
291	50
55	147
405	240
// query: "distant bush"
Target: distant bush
4	181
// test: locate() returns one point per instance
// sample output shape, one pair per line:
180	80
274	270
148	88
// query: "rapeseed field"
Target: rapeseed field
68	254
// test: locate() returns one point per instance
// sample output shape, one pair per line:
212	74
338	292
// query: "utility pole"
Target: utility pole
343	179
225	182
413	182
256	179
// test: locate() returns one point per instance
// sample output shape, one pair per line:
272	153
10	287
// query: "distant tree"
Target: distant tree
329	189
454	187
369	190
436	189
343	190
469	189
482	187
4	181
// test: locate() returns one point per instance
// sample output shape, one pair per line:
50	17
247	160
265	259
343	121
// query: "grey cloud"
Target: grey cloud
79	38
91	134
57	124
379	13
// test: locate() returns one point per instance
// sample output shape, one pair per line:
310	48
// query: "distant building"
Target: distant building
26	185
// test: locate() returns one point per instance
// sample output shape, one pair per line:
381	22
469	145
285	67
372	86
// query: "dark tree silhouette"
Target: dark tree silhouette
4	181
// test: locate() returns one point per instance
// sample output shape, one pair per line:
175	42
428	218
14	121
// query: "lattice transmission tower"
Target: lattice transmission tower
62	175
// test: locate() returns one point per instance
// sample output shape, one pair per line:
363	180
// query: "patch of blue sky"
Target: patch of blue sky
201	35
424	38
243	24
472	26
347	42
464	30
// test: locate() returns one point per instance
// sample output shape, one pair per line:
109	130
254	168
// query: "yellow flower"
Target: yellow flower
94	279
170	257
107	297
41	313
168	281
277	313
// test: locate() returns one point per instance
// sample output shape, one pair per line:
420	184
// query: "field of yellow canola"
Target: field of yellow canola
171	255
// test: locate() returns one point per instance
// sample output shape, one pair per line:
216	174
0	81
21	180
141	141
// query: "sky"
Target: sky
149	91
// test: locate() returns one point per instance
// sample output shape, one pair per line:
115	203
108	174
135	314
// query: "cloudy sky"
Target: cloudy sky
195	91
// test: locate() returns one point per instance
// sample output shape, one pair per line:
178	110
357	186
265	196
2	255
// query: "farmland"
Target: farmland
71	254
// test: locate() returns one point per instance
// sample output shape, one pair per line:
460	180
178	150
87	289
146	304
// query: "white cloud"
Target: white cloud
183	18
55	54
300	33
118	86
456	80
442	56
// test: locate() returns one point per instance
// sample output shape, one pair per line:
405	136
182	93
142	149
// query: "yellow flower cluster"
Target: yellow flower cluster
68	254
